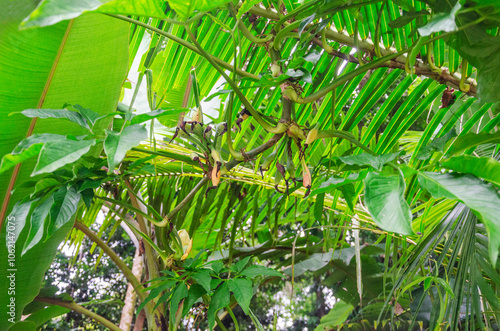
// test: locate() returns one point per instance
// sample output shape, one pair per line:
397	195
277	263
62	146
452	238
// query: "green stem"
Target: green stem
219	323
235	320
278	129
344	78
79	309
244	30
184	202
113	256
185	44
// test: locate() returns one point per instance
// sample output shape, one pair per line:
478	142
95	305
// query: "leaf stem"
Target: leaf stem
185	44
113	256
79	309
184	202
278	129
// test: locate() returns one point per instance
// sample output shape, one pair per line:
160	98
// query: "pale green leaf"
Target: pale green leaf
56	154
484	167
384	198
117	144
475	194
72	116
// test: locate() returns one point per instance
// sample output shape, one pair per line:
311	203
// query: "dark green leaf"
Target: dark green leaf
195	292
437	145
55	154
365	159
63	209
384	198
406	18
258	270
216	266
203	278
241	264
472	140
37	222
219	300
180	293
243	292
335	182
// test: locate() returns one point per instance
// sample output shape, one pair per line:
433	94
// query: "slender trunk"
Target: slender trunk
139	321
130	297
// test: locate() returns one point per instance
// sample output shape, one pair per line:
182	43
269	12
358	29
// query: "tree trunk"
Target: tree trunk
128	308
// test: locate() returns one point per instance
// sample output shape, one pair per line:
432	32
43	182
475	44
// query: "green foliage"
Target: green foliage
393	207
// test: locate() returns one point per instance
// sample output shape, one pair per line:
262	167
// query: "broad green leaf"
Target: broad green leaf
442	22
27	148
16	220
219	300
216	266
472	140
156	291
180	293
241	264
50	12
77	62
483	167
479	196
37	222
365	159
336	316
57	154
195	292
73	116
29	269
333	183
23	326
258	270
384	198
406	18
88	114
203	278
63	209
40	78
185	8
243	292
437	145
168	113
116	145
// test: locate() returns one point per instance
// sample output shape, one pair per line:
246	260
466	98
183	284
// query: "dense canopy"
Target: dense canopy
247	150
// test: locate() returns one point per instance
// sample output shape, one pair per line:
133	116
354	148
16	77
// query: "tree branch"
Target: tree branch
79	309
113	256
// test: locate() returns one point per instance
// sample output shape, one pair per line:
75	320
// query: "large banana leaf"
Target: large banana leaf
78	62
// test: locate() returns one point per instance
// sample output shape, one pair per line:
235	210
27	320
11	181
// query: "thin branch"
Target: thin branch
185	44
184	202
79	309
113	256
